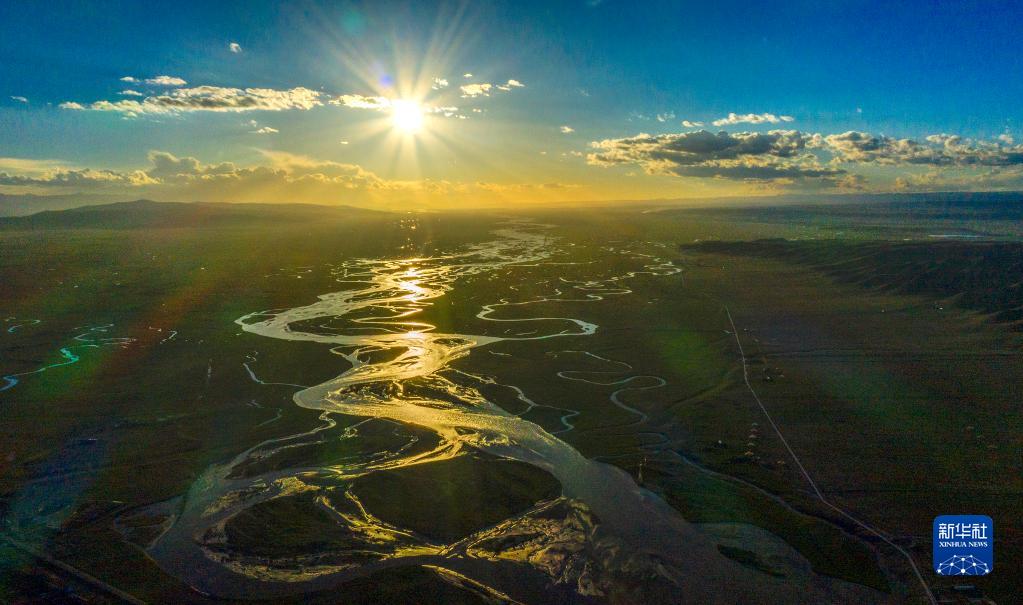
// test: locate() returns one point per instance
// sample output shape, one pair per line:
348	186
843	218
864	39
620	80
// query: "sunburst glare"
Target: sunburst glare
407	116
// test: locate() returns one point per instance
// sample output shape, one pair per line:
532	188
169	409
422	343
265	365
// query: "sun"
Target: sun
407	116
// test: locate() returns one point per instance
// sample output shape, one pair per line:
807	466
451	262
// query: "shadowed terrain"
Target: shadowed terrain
986	277
572	399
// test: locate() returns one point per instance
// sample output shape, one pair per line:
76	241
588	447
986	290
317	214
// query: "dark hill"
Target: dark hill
982	276
24	204
982	206
147	214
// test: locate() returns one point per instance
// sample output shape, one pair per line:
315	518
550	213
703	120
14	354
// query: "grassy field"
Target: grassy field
901	397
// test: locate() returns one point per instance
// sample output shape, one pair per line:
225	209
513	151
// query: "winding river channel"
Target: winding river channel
605	536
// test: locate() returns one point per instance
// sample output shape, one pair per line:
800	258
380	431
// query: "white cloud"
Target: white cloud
476	90
749	156
510	84
19	99
129	79
280	177
362	102
483	89
439	83
664	117
997	178
215	98
75	177
209	98
131	93
467	76
235	47
690	124
263	129
934	150
449	111
1006	138
164	81
811	160
31	166
752	118
567	129
127	107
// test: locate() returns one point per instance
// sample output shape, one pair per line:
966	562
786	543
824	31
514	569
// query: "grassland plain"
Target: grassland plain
899	407
873	389
178	398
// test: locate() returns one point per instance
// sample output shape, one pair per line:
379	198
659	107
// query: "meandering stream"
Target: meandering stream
398	370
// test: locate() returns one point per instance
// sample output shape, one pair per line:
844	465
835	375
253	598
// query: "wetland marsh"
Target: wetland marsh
493	408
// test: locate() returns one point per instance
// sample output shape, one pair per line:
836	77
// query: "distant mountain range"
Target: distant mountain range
958	199
147	214
53	211
23	204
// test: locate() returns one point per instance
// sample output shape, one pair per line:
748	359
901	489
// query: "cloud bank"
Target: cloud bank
282	177
751	118
790	156
934	150
207	98
741	156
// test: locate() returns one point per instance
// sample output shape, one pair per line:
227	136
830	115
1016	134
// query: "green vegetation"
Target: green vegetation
704	498
412	584
286	527
977	276
890	367
451	499
749	559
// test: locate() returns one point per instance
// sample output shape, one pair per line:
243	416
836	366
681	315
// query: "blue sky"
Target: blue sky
608	71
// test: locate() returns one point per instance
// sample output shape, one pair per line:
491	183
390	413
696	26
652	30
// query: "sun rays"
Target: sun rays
407	117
